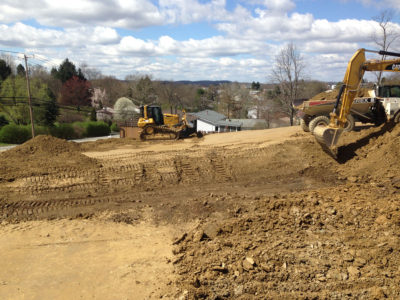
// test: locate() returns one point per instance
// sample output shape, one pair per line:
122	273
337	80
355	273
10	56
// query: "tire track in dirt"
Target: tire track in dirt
120	177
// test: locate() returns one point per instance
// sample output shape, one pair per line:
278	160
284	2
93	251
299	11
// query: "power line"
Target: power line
9	51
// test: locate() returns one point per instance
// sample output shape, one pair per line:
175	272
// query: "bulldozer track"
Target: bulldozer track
63	190
163	130
24	210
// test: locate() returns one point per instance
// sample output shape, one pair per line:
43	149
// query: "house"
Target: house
211	121
251	124
105	114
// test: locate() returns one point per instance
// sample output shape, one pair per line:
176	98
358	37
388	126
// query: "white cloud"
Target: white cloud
21	35
130	44
280	5
332	47
72	13
188	11
380	4
244	48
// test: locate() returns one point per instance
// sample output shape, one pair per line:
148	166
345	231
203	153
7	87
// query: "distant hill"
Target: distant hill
202	82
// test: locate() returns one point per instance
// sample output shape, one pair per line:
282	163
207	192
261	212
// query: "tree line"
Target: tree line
68	93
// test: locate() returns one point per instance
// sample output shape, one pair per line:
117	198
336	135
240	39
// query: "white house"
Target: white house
211	121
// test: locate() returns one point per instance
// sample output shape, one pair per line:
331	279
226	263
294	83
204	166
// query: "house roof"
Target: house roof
250	123
229	123
216	119
210	116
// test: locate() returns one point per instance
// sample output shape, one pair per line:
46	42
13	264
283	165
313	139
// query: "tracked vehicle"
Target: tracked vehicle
156	125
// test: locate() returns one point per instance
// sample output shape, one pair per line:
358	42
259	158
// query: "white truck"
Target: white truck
383	104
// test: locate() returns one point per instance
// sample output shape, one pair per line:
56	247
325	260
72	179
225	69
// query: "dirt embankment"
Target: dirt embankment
270	214
328	243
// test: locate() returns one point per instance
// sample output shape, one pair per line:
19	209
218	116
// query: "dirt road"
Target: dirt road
248	215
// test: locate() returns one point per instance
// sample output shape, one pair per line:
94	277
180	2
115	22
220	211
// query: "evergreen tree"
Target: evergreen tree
52	111
66	71
5	70
93	116
20	70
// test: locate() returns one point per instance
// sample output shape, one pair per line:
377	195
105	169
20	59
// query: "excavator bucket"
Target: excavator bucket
328	137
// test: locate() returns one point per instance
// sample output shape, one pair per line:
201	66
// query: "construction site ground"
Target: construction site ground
248	215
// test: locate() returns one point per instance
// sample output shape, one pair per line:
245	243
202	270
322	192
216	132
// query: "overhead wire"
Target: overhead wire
36	102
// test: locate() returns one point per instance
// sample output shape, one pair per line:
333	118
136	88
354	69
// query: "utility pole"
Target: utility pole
29	95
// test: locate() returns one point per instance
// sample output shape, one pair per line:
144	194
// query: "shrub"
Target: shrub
15	134
67	116
114	127
63	131
97	129
91	128
3	121
79	129
40	130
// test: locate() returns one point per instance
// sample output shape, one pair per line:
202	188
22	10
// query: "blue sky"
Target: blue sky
194	39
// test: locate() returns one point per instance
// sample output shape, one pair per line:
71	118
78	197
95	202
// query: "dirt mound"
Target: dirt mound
42	145
332	94
39	154
374	155
311	245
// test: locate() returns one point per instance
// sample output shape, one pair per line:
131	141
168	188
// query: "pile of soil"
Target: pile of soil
317	244
42	145
340	242
376	155
38	154
332	94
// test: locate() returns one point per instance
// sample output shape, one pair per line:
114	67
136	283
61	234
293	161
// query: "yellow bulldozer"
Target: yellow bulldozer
154	124
328	136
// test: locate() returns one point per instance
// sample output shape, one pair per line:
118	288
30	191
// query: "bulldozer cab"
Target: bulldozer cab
154	112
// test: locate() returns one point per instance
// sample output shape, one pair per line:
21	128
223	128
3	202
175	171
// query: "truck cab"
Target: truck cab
389	96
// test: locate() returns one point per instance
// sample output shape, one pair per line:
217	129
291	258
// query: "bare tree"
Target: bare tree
142	89
114	88
288	73
386	35
90	73
168	93
228	98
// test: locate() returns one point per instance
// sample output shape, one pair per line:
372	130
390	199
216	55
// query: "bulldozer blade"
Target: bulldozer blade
328	137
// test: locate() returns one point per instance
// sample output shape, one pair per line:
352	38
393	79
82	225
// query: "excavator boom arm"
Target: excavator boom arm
328	136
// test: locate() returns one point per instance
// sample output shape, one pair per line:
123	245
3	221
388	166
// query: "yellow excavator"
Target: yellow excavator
155	124
328	136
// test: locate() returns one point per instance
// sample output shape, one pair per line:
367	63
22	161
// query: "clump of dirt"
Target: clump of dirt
123	217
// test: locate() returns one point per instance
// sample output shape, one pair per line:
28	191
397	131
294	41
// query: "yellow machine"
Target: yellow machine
328	136
154	123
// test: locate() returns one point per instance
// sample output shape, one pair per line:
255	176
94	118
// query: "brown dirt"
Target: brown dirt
332	94
255	215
